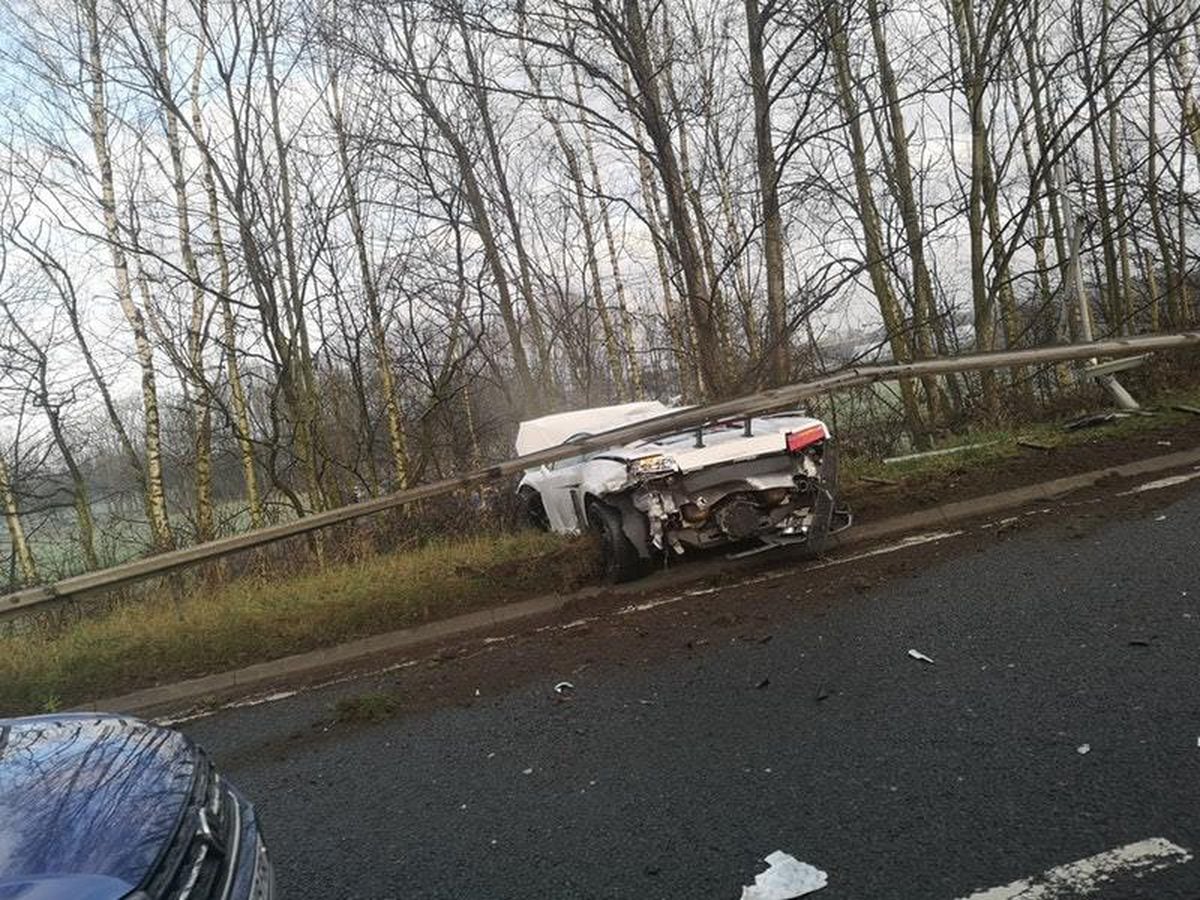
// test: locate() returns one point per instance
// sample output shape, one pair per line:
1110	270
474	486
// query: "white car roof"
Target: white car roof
552	430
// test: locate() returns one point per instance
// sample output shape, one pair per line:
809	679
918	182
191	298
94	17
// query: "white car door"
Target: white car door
558	485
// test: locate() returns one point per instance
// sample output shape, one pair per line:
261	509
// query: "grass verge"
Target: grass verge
250	620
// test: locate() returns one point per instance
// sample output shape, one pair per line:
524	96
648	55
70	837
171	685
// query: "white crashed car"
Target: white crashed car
770	480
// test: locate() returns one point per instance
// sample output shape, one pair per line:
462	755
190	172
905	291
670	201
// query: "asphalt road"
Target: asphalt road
804	727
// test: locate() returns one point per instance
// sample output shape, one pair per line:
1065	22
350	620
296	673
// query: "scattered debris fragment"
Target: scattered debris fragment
869	479
1163	443
1161	518
1083	749
1091	421
943	452
918	655
764	683
1187	409
785	879
527	772
563	687
1035	445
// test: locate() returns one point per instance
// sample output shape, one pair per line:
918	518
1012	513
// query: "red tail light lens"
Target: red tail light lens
797	441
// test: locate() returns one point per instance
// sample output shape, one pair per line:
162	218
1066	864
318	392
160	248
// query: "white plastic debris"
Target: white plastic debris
1083	748
786	878
917	654
527	772
563	686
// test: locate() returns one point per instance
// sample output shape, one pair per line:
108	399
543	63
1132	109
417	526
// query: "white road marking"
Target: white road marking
1158	483
1085	877
913	541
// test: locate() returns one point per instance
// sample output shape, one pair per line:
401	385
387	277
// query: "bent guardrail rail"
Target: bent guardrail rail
23	600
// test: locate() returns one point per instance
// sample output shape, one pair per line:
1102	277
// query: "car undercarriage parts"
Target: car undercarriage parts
739	518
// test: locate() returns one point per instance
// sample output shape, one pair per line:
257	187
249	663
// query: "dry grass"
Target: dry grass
250	620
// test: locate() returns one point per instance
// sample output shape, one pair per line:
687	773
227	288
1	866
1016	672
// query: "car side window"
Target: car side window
571	460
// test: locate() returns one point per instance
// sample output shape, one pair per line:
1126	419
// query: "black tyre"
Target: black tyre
621	559
531	513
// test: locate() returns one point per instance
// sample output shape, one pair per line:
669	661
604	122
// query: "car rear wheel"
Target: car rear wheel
621	559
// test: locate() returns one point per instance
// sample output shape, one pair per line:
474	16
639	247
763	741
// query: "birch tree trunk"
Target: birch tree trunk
237	392
383	360
194	371
156	501
16	530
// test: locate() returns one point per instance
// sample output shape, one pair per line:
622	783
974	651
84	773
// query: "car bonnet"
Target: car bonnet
89	801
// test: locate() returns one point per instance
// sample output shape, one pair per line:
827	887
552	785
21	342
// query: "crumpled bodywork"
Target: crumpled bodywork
724	483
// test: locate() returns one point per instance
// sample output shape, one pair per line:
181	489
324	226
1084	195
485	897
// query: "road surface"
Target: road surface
1058	722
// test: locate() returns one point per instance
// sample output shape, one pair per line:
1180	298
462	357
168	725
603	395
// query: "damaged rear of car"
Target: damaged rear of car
759	482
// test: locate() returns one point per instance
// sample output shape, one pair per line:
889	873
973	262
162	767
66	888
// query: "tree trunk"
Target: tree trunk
156	504
710	358
524	267
973	85
888	307
237	392
16	531
383	361
635	372
909	210
777	338
194	370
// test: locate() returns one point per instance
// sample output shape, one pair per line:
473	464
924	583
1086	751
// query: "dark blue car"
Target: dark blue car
98	807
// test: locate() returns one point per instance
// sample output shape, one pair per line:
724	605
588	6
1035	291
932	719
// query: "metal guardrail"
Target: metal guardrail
22	601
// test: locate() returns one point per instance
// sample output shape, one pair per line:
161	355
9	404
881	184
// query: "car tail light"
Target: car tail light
798	441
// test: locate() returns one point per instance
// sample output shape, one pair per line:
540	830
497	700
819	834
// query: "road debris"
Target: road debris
1091	421
766	682
871	479
1162	518
1035	445
563	687
1187	409
785	879
918	655
942	452
527	772
1083	749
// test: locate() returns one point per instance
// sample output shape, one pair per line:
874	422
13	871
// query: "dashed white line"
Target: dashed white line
1085	877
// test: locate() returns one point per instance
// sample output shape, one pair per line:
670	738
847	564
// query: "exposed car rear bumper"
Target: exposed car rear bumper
778	498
